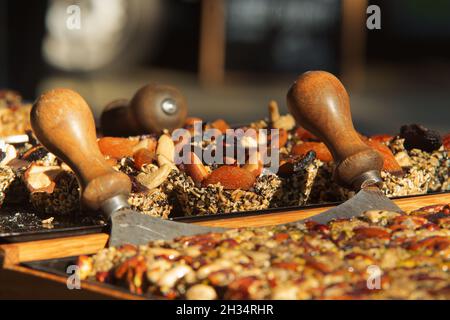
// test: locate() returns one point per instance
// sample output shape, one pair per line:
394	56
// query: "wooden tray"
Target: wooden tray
16	253
20	280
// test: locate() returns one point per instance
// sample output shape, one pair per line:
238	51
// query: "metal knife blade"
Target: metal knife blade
129	226
370	198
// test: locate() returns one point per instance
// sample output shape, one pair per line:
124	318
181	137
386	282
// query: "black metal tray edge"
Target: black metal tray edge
83	230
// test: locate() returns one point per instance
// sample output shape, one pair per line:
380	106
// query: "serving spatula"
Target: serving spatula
63	122
320	103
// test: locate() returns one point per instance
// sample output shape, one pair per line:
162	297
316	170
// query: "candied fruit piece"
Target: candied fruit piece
321	150
231	177
116	147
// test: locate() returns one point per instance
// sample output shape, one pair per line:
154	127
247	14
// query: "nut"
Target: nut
8	153
286	122
195	169
254	164
41	178
156	178
148	144
165	150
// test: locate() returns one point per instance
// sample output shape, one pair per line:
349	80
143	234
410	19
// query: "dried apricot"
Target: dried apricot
382	137
321	150
220	124
390	164
116	147
231	177
143	157
305	135
446	141
281	137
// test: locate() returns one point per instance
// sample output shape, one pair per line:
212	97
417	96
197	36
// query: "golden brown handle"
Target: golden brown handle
320	103
63	123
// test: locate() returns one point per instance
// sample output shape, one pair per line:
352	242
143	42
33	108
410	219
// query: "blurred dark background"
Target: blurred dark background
230	57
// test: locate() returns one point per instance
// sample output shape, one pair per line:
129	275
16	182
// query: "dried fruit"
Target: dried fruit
231	177
305	135
117	148
418	137
154	179
321	150
221	125
382	137
371	232
143	157
446	141
191	120
281	137
390	164
294	163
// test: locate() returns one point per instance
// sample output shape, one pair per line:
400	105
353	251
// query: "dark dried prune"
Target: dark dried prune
418	137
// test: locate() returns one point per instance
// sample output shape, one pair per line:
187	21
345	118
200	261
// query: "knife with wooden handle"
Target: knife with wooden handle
64	124
319	102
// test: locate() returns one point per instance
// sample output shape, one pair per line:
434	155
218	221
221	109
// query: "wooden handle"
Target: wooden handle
320	103
152	109
157	107
117	120
63	123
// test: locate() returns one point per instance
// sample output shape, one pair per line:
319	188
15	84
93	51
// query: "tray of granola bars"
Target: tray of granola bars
39	194
377	255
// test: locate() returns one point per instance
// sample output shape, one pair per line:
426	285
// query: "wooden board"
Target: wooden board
19	282
13	254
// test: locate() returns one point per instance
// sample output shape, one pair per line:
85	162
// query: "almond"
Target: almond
41	178
148	143
231	178
321	150
117	148
254	164
166	149
156	178
195	169
10	153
